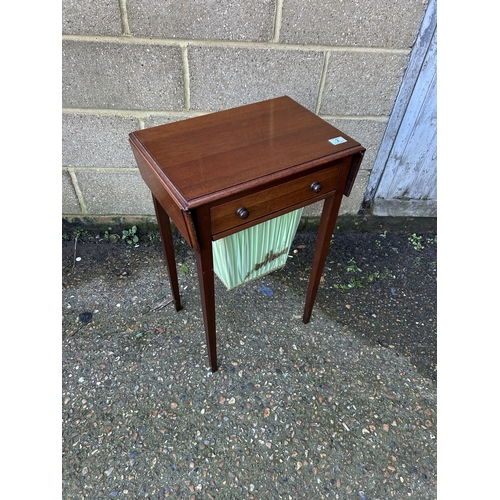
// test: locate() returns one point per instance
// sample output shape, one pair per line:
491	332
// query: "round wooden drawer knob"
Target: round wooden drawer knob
316	187
242	212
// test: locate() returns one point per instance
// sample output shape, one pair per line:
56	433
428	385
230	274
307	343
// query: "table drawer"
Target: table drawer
254	206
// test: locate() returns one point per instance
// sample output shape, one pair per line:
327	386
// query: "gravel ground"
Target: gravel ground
343	407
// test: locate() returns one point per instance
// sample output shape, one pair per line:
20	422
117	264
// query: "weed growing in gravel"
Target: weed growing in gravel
108	236
79	234
359	282
372	277
154	237
130	236
416	242
352	267
353	283
378	243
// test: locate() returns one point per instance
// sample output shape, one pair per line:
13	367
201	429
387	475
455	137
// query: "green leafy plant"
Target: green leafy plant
378	243
373	276
353	283
110	236
130	236
361	281
79	233
184	269
416	242
352	267
154	237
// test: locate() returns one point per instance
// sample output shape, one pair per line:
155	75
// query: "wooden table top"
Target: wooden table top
209	156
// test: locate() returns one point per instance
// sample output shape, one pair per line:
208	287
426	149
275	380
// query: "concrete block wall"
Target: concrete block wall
131	64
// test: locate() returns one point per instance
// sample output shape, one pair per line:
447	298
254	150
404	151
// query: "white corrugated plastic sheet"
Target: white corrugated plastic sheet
256	251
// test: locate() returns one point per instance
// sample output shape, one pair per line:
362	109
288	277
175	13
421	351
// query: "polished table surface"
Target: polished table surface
219	173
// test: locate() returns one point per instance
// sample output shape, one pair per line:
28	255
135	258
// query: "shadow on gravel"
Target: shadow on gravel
381	286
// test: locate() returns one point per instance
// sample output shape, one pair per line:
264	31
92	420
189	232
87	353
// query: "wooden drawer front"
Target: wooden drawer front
267	201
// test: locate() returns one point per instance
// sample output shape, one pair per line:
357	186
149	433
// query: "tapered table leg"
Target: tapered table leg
205	266
168	250
326	228
207	292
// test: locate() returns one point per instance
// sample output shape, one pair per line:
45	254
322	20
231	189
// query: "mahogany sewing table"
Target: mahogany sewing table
219	173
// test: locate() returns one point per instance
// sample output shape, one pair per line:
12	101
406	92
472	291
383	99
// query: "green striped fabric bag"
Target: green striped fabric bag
254	252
